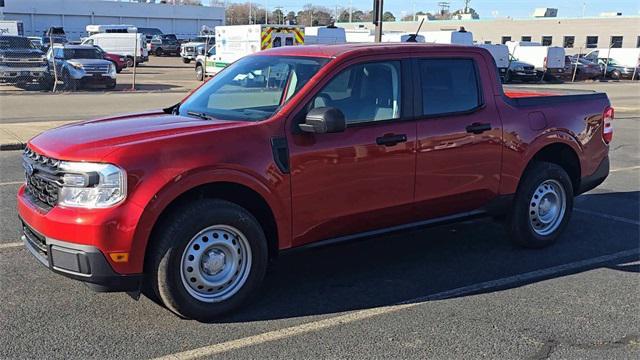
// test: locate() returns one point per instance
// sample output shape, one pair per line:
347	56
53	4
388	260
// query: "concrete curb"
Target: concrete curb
12	146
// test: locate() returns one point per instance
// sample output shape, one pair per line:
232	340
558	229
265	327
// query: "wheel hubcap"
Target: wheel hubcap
215	263
547	207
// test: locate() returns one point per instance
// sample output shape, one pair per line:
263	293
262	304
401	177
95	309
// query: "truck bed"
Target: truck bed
523	96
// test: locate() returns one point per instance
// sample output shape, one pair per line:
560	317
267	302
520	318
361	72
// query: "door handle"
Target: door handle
390	140
478	128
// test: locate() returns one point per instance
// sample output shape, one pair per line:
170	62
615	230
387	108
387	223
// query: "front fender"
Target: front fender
187	181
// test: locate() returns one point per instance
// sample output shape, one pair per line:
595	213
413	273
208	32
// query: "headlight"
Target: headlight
92	185
112	70
519	68
77	66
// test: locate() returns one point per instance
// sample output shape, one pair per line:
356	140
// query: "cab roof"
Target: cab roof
334	50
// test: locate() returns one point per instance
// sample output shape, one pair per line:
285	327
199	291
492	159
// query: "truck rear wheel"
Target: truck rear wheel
542	206
129	61
186	61
208	259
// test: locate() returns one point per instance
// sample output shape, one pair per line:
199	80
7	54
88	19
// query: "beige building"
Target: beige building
571	33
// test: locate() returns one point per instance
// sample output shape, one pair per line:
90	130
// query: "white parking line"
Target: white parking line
315	326
12	183
607	216
625	169
11	245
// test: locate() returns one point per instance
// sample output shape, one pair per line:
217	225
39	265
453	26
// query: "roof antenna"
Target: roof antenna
414	37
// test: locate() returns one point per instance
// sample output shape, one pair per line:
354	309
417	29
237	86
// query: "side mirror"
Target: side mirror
324	120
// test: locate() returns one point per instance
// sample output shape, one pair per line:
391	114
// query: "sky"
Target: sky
486	8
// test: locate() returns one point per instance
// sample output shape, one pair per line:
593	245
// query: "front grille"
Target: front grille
96	69
43	179
528	68
23	64
37	241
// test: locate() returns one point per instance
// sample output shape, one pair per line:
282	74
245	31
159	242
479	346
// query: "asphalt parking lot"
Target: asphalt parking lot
457	291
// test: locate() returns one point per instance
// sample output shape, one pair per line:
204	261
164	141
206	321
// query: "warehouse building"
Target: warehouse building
570	33
74	15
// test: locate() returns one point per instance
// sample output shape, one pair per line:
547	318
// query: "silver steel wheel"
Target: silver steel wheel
216	263
547	207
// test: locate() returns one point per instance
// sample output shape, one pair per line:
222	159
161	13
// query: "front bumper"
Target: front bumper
14	75
80	262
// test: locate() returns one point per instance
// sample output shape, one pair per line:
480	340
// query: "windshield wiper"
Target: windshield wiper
201	115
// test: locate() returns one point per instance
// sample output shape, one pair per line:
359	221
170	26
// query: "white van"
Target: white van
324	35
122	44
448	37
549	59
500	54
627	57
400	37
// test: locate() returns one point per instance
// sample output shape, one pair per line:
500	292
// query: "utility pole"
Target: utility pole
266	12
350	9
249	12
378	10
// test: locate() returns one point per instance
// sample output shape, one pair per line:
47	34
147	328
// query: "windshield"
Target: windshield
251	89
82	54
15	42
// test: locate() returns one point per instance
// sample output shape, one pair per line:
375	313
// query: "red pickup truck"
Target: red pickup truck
298	146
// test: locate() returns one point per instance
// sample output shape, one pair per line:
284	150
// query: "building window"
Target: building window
568	41
638	42
616	41
488	42
592	42
505	39
547	40
525	38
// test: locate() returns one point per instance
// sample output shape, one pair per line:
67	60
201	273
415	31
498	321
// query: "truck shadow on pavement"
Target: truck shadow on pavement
412	265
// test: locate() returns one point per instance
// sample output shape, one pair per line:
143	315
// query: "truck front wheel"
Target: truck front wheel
208	258
199	72
542	206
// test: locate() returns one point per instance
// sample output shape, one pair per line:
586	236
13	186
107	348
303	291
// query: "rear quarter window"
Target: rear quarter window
448	86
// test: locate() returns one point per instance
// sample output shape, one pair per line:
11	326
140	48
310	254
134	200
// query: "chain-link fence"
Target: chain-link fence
107	61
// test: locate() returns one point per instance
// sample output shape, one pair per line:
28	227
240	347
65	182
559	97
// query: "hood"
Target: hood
192	43
93	140
21	53
515	63
90	61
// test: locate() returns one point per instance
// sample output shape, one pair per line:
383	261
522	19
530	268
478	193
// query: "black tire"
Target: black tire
129	61
616	75
70	83
159	52
186	61
199	72
519	223
173	236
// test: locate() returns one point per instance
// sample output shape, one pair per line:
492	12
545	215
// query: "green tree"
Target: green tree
388	16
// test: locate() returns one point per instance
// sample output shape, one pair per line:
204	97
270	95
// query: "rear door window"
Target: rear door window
448	86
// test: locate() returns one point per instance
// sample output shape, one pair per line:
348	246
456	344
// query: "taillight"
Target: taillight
607	120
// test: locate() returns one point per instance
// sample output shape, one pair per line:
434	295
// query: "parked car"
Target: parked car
119	61
616	71
520	71
130	45
22	64
81	65
190	203
191	49
585	70
164	45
